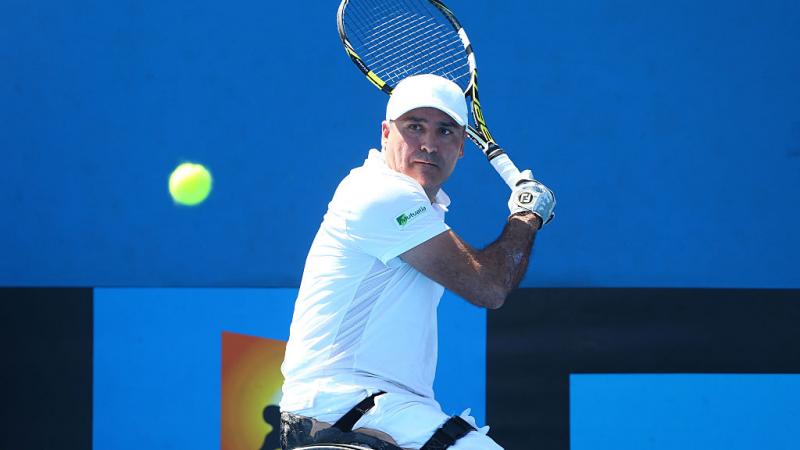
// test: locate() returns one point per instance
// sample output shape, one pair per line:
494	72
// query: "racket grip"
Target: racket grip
507	170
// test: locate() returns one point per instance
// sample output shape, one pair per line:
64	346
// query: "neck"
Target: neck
431	192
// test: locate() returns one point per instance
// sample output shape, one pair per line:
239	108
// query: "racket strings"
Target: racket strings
399	39
387	30
384	32
400	57
383	43
394	49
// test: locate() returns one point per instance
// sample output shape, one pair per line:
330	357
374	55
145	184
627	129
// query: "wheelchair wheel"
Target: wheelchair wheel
333	447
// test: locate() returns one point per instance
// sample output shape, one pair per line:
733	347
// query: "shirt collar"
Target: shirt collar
375	159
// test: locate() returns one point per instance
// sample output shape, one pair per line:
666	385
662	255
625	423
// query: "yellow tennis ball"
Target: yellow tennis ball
190	184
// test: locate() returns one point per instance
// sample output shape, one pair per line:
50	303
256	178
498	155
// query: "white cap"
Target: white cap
431	91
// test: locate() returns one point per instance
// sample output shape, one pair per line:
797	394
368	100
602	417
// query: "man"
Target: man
363	346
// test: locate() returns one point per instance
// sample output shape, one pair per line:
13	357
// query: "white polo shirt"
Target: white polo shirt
363	317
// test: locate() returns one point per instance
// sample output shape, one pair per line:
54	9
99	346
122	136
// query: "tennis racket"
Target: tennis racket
389	40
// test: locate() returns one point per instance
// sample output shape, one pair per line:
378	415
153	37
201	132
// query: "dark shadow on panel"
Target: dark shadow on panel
542	335
46	374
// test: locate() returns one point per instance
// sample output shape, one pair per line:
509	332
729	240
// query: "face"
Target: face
424	144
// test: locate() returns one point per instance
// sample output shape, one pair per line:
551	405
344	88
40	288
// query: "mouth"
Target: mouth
426	163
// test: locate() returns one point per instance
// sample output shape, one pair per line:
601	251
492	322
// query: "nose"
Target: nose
428	144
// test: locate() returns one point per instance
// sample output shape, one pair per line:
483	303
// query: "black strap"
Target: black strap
454	429
346	422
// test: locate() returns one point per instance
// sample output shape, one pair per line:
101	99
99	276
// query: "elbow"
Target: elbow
496	304
495	298
484	293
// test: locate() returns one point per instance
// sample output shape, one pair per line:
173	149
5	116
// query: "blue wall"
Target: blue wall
670	132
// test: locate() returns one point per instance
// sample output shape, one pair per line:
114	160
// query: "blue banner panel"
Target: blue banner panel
668	412
158	369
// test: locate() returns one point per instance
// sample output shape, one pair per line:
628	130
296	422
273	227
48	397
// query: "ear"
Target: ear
384	132
464	140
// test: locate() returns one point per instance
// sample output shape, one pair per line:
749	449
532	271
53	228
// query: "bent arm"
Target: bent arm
483	277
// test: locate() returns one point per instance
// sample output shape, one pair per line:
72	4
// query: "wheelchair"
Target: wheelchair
333	447
329	439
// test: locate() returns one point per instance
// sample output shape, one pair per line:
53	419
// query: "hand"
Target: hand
530	195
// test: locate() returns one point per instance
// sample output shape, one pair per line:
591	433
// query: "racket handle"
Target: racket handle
507	170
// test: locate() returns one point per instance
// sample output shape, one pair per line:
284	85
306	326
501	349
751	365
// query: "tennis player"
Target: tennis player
362	350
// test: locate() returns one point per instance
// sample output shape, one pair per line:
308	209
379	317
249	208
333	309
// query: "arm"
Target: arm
483	277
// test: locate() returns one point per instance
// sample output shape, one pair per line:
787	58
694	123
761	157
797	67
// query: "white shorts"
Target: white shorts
409	419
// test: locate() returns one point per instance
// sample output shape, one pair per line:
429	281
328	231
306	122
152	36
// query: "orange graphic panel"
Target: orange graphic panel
251	391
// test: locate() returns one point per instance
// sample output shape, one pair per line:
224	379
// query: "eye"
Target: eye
413	126
445	131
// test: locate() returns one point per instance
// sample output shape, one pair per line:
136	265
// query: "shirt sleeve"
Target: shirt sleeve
390	217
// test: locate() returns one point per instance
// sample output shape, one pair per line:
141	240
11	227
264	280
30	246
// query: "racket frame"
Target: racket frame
478	134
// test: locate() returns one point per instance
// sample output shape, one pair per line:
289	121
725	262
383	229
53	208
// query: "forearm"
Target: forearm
508	255
503	263
482	277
